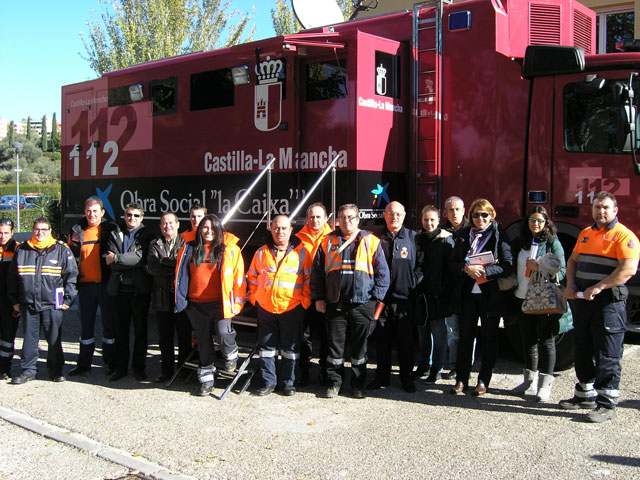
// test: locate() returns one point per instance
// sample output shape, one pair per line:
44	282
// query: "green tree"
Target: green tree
134	31
283	19
28	128
285	22
43	135
55	139
11	133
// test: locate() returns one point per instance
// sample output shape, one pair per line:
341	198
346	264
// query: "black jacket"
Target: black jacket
436	284
5	263
76	238
129	271
499	301
161	262
405	263
35	275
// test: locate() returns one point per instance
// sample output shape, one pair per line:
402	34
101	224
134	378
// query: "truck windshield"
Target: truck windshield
590	119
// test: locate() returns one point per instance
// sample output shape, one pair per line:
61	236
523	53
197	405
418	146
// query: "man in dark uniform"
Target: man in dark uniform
41	285
8	317
349	280
604	258
404	261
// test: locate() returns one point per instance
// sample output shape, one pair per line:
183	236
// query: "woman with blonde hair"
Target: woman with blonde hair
479	294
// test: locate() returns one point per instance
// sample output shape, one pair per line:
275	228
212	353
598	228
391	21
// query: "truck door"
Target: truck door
586	158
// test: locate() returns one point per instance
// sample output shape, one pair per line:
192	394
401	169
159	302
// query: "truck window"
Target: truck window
326	80
164	96
590	119
387	77
212	89
119	96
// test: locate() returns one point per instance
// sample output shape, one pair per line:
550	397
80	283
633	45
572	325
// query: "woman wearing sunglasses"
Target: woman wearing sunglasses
536	238
478	291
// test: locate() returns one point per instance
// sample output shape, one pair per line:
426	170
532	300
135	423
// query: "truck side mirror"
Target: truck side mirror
620	93
626	121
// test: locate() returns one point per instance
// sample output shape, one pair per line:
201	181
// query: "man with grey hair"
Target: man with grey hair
456	221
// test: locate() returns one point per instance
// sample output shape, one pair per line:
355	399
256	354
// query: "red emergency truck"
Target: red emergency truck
503	99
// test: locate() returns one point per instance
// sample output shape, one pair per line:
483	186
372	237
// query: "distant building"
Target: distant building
21	127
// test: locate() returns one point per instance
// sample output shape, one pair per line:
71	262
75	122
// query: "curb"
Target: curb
90	446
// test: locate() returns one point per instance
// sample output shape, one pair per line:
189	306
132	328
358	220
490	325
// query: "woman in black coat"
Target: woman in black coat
479	292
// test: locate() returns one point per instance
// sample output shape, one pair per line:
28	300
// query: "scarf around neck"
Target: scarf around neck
479	238
46	243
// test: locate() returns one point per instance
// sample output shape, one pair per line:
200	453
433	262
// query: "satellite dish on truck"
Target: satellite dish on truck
317	13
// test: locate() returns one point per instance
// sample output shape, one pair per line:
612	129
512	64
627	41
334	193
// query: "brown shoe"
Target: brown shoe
459	387
479	390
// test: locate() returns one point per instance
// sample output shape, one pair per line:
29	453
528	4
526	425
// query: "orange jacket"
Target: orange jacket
280	288
231	269
312	240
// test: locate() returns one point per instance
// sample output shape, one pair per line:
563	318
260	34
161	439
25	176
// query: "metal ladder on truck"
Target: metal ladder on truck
427	103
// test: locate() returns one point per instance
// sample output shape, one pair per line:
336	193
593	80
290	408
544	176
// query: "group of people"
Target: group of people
341	287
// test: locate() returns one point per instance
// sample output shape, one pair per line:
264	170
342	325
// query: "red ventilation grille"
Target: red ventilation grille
582	31
544	25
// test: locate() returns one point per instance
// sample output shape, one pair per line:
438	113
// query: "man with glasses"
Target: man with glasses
41	285
8	317
349	281
88	242
130	290
404	261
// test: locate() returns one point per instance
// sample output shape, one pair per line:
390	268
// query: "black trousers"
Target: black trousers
315	328
538	340
8	329
207	320
51	322
599	327
168	323
91	296
397	324
352	324
131	309
476	305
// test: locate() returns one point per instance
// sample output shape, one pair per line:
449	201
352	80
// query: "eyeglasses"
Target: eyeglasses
537	220
481	214
6	221
41	230
134	215
395	214
348	219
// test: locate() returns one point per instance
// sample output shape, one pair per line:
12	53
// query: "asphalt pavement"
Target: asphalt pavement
132	428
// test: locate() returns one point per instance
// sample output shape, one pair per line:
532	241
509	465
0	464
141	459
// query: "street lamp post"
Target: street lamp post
18	147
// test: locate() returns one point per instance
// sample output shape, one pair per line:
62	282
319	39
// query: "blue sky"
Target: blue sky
40	51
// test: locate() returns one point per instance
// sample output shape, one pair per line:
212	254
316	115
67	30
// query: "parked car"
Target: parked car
7	206
11	199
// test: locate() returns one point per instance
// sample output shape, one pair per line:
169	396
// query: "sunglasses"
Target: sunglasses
537	220
134	215
481	214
